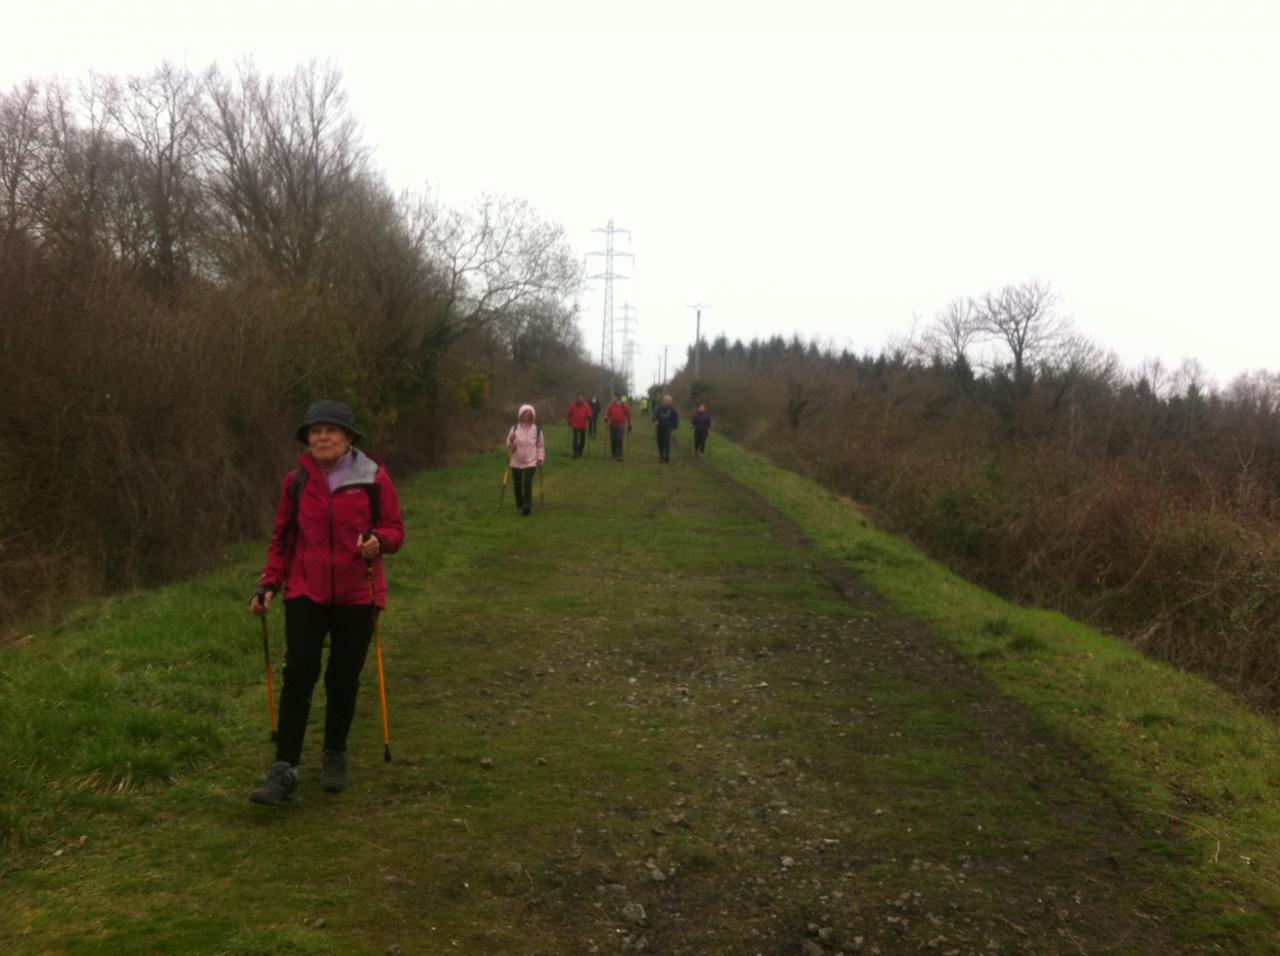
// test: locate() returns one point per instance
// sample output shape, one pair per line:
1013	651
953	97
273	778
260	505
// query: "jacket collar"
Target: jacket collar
364	470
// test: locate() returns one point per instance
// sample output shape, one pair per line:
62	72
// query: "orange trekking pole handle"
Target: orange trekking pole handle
377	648
266	663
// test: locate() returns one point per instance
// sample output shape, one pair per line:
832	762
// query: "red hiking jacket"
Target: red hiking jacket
315	556
579	415
617	415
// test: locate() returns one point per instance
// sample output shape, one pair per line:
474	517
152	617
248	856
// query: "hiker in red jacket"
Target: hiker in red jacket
618	416
579	417
337	512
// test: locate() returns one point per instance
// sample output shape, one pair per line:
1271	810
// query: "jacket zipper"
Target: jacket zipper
333	565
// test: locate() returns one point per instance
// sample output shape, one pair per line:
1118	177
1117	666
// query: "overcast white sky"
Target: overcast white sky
831	169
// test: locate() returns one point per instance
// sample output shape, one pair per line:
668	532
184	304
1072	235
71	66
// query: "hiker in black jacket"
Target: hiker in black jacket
595	415
701	422
667	420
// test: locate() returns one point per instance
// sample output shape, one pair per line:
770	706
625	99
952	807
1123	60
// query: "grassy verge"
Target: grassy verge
648	717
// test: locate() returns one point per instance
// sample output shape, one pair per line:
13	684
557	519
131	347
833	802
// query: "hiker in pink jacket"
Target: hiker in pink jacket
527	453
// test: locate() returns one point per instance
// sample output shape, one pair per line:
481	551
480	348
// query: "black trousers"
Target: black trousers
591	423
616	436
350	629
664	442
579	441
522	483
700	439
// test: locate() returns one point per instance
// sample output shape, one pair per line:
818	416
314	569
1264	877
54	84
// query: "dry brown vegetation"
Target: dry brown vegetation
185	262
1143	501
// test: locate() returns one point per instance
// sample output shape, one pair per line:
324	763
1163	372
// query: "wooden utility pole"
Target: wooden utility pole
697	337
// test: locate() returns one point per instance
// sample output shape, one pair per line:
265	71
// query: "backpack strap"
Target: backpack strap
296	484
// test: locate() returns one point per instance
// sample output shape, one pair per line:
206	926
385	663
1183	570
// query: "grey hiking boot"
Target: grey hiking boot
333	771
281	784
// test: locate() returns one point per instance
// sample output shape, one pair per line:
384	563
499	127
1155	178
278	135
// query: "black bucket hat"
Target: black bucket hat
328	412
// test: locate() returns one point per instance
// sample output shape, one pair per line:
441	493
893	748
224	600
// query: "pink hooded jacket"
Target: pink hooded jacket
524	442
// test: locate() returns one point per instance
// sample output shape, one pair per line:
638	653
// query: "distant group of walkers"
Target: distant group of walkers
337	515
582	416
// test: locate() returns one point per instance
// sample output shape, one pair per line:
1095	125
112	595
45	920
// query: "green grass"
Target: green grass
662	676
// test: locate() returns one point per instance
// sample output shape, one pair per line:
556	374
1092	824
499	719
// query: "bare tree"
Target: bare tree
1151	378
1190	379
1077	364
158	114
954	329
81	165
496	257
22	133
1258	391
1024	318
282	156
541	329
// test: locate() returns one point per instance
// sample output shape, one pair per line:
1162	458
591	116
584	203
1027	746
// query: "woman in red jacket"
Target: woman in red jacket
338	514
618	416
579	418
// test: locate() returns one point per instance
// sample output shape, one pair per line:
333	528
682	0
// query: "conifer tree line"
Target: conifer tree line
1027	457
186	260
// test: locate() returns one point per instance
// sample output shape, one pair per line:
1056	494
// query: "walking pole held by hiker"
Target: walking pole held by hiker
506	475
266	663
377	651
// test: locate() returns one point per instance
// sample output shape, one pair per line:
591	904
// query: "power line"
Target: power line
628	321
608	275
629	361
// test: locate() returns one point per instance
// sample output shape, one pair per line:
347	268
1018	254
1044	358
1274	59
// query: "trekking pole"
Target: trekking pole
506	476
542	491
266	663
377	648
